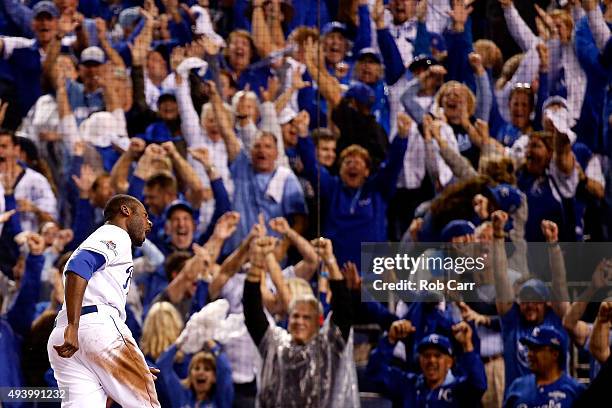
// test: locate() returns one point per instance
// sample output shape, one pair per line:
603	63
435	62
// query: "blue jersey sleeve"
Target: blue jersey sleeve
21	313
475	383
392	381
85	263
313	171
136	188
83	222
180	395
385	179
224	394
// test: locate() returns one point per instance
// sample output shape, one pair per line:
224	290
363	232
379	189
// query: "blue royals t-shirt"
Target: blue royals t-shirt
525	393
514	328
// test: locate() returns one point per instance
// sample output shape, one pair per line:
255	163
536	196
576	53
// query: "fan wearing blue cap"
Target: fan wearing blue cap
548	385
351	112
458	231
437	385
534	306
180	225
86	96
337	44
24	62
370	71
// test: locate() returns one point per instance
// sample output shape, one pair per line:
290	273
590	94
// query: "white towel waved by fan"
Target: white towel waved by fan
211	323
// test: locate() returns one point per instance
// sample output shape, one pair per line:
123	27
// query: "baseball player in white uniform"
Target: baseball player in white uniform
91	350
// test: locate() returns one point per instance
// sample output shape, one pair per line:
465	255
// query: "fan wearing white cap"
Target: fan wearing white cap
292	124
87	96
286	120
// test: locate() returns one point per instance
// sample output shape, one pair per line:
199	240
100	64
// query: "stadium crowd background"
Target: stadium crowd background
236	122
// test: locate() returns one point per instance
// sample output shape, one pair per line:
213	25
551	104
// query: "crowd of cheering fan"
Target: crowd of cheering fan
268	139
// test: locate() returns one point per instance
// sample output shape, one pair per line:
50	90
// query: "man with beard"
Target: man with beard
94	193
91	350
168	127
437	386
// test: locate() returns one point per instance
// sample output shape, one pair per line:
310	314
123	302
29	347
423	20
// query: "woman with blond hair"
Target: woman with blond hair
457	106
161	328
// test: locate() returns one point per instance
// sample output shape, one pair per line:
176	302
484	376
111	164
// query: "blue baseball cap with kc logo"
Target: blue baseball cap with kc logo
544	335
436	340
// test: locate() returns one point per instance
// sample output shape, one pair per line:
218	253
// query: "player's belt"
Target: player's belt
89	309
84	310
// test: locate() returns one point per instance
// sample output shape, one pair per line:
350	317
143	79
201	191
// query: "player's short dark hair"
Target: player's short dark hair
163	180
175	262
113	206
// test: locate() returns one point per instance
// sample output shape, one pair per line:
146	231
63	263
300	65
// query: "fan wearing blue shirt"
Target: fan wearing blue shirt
548	385
355	202
168	127
209	383
262	187
437	386
533	308
87	96
27	59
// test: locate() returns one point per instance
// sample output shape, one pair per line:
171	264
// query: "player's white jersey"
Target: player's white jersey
110	284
